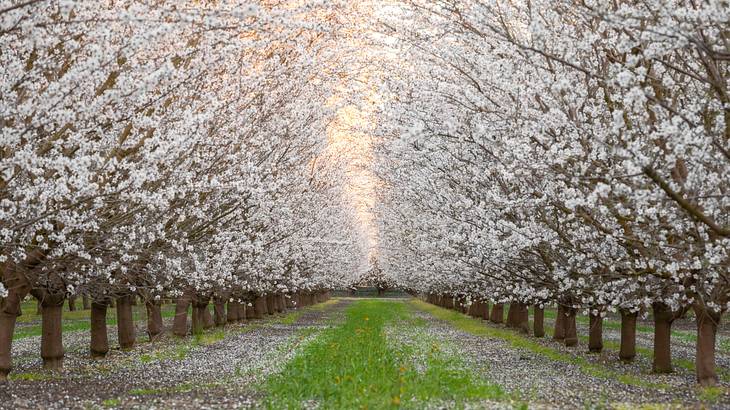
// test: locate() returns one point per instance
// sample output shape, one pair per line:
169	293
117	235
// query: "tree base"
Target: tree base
55	363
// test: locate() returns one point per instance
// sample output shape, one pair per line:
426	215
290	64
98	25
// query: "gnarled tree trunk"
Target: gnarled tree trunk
99	346
627	352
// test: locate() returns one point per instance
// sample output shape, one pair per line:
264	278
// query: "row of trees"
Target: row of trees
561	152
167	149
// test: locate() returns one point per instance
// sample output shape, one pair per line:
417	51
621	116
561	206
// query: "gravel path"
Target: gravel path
220	370
546	383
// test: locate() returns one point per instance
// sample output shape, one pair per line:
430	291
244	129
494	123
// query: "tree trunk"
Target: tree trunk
449	302
707	323
85	302
219	310
381	292
241	311
270	308
559	332
125	322
198	319
497	313
249	311
538	321
18	287
52	338
595	333
663	318
99	346
627	352
180	323
259	307
8	315
571	333
485	311
72	304
154	319
208	322
232	312
511	310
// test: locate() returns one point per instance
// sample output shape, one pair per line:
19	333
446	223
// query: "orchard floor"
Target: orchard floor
359	353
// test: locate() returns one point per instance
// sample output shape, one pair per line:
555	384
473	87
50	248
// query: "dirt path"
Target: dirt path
218	370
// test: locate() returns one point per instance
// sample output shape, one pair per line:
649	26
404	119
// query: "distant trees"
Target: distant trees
561	152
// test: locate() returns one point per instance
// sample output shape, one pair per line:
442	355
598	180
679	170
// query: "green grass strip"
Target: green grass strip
352	366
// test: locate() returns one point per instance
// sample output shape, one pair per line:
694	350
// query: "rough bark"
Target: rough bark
125	322
571	333
72	304
559	332
707	323
595	333
154	319
180	322
497	315
99	346
627	351
538	321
